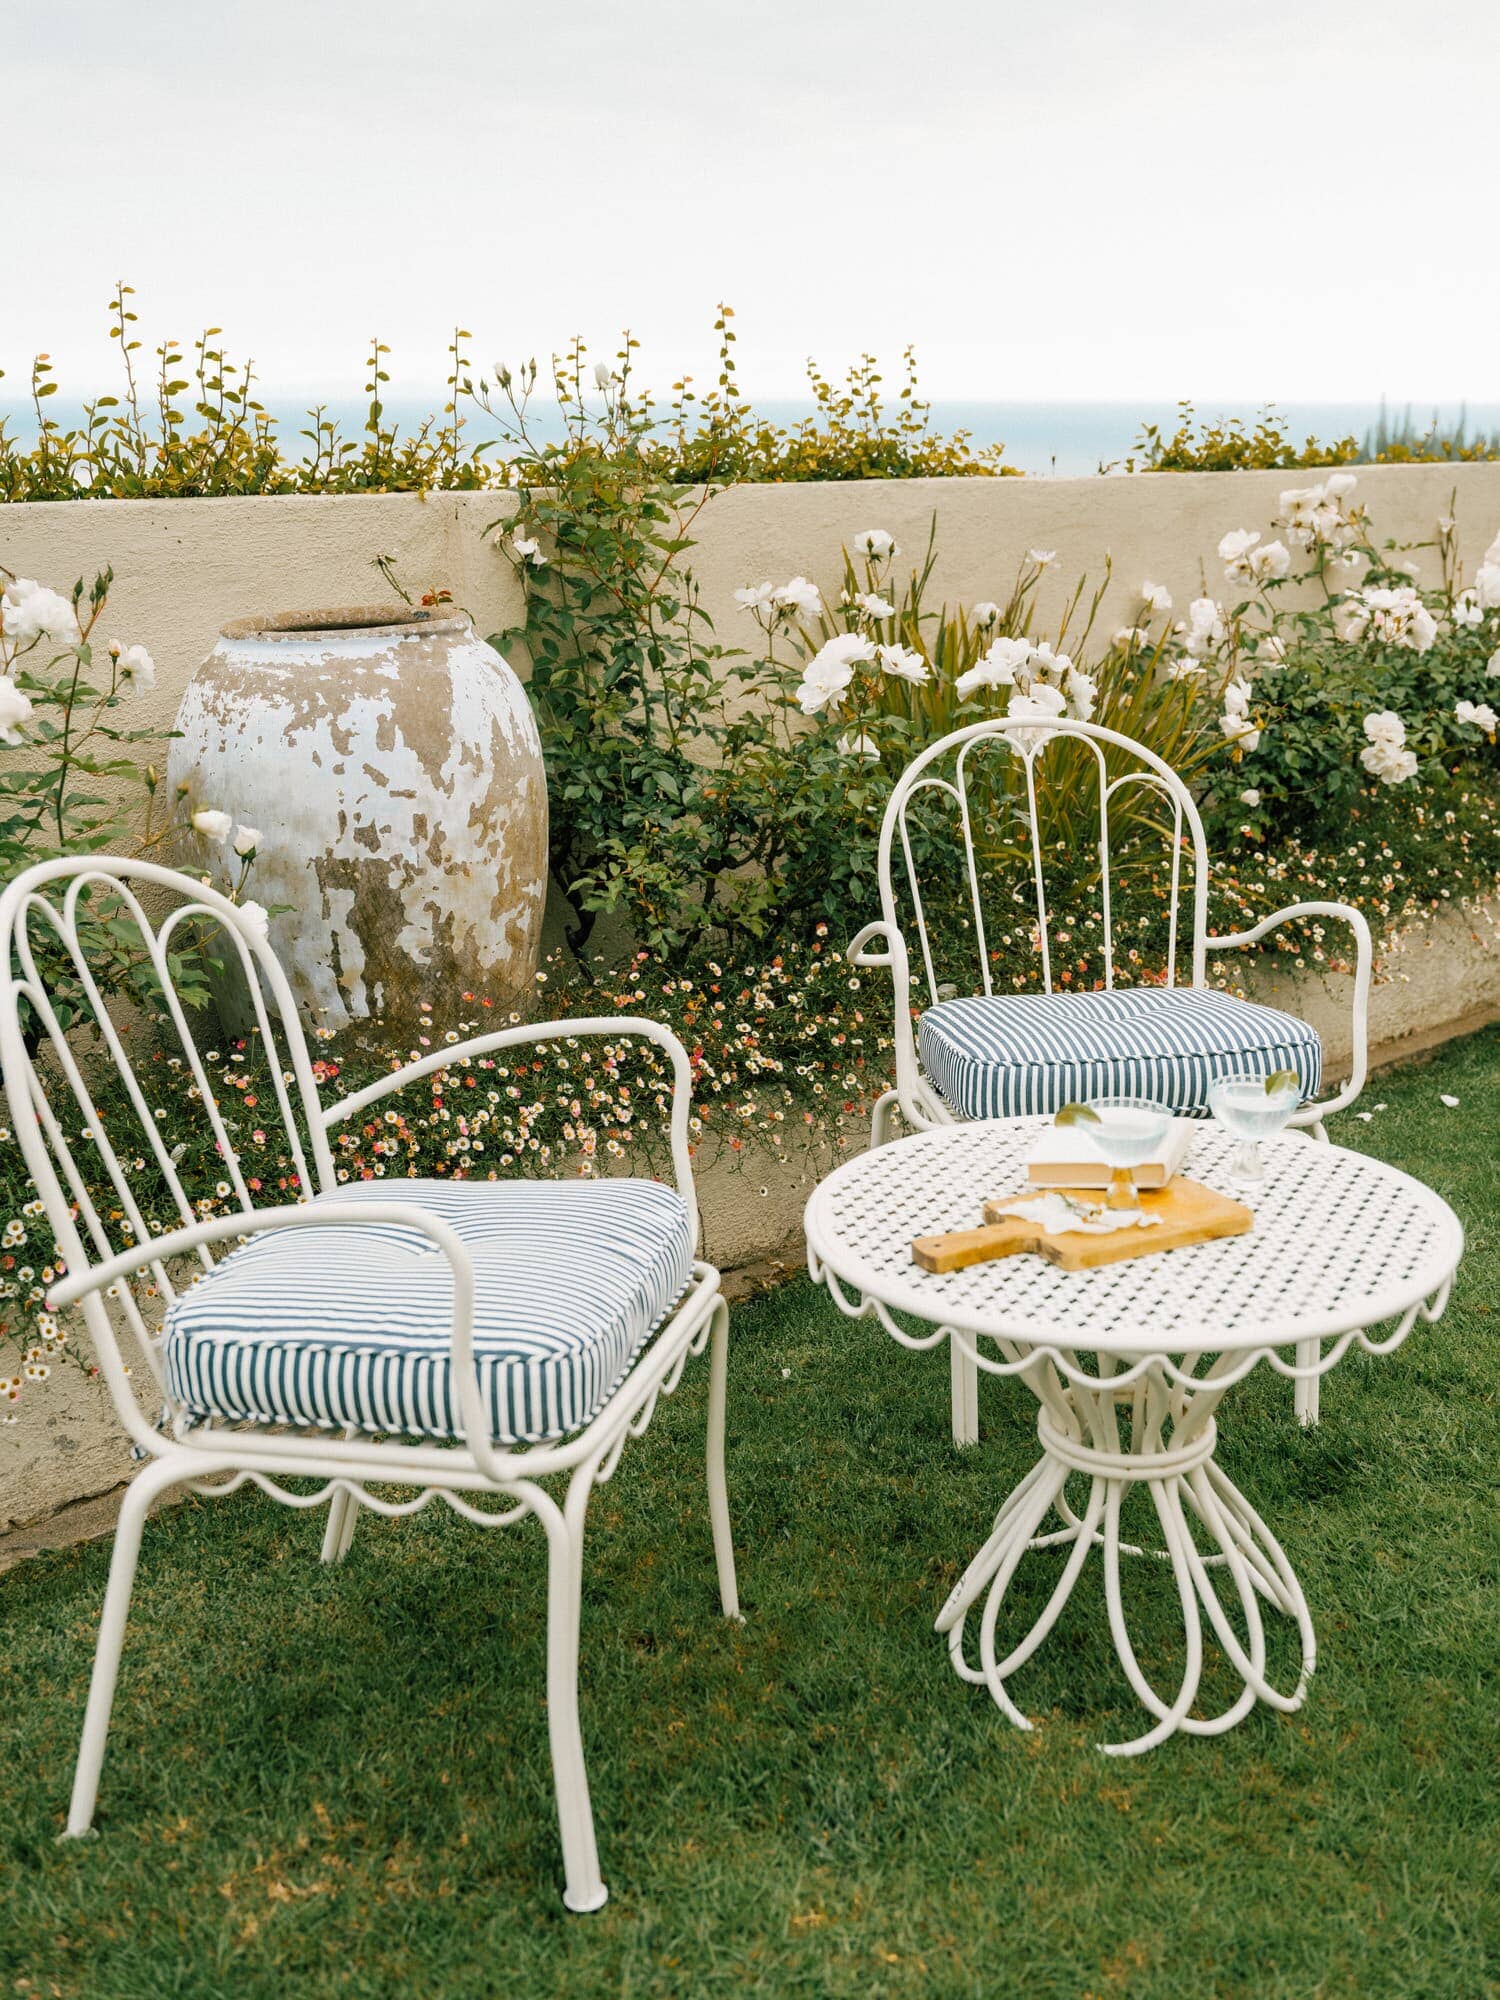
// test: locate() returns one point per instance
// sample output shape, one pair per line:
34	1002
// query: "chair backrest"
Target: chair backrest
83	1114
1001	767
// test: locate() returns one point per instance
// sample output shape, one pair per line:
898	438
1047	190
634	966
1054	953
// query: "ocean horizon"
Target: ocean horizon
1061	439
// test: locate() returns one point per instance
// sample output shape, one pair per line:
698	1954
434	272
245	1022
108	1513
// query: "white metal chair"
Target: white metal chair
989	1054
464	1340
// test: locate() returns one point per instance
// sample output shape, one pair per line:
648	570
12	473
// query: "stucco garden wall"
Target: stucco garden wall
185	567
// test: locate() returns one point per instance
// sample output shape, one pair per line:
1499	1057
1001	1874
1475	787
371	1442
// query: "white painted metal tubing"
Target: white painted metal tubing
148	1485
1364	956
213	1457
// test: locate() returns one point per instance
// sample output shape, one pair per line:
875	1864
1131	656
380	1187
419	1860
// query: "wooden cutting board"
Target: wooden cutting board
1190	1213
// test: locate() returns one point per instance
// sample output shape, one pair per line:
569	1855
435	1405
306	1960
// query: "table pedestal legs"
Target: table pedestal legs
1206	1524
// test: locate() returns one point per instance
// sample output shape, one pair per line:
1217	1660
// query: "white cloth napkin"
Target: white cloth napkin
1061	1216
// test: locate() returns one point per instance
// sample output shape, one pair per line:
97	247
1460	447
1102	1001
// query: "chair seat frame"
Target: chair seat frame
215	1458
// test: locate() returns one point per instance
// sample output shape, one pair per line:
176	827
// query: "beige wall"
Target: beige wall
184	567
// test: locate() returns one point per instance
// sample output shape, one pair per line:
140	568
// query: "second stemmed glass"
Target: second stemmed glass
1251	1106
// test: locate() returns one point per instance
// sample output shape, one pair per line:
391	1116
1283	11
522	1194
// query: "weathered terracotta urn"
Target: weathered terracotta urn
390	762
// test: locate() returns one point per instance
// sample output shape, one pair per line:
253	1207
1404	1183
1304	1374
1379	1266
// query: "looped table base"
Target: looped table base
1187	1488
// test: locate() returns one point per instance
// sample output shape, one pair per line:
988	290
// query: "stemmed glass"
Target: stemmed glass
1251	1106
1127	1131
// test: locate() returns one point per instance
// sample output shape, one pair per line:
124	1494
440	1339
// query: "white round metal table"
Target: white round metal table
1128	1363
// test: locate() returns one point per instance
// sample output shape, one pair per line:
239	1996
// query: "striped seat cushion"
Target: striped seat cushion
349	1324
1023	1053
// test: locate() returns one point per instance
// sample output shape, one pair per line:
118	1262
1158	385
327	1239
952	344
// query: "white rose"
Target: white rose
1234	553
873	606
1237	696
1041	557
255	918
212	825
138	667
246	840
1041	705
996	668
1056	666
1337	484
875	544
985	614
1082	692
528	549
1156	597
1487	583
1479	713
1131	635
1205	626
902	661
1467	610
1421	633
603	375
830	670
1270	563
863	746
798	596
1351	620
15	707
1492	669
1250	798
29	611
1388	762
756	596
1385	726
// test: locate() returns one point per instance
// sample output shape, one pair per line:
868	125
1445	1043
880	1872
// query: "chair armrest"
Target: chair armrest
856	954
249	1222
1364	956
894	957
618	1027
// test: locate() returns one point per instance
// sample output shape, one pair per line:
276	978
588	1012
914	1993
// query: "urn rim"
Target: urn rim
348	621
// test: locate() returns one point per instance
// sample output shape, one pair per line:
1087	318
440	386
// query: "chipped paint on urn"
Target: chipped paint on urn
391	763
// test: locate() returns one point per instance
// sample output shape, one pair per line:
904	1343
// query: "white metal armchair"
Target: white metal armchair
467	1340
988	1054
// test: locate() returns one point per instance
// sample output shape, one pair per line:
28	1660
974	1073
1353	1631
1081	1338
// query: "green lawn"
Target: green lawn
336	1781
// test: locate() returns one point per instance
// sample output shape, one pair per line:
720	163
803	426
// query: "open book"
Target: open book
1065	1157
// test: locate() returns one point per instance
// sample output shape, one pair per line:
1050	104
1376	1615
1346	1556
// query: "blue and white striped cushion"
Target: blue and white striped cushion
1017	1054
349	1324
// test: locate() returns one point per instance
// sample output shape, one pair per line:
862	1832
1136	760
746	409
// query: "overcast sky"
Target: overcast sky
1078	198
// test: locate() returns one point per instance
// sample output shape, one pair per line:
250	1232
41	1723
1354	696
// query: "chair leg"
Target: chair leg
583	1887
343	1514
718	1492
151	1481
340	1529
965	1371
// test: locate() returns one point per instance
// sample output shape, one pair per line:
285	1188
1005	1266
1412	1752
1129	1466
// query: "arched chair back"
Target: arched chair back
82	936
992	780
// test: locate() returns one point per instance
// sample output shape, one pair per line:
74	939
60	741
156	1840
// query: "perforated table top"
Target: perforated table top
1340	1241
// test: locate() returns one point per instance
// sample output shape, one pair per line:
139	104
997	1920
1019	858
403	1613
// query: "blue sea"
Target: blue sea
1062	439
